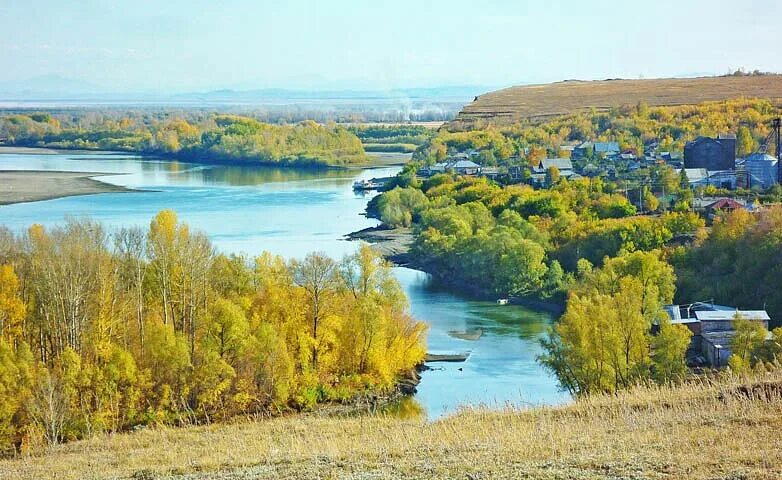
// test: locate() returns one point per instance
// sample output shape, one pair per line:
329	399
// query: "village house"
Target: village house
607	149
582	149
517	173
563	165
567	150
492	173
466	167
459	164
701	177
722	205
696	177
713	329
711	153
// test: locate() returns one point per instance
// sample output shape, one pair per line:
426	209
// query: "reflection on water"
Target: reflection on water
292	212
501	369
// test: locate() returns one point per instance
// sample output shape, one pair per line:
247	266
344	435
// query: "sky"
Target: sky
175	46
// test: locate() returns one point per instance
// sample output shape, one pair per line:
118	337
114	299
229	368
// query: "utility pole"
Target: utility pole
778	127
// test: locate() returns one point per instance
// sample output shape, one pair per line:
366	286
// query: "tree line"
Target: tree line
205	138
103	331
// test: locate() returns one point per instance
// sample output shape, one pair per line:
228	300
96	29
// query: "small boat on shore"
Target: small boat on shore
502	301
450	357
367	185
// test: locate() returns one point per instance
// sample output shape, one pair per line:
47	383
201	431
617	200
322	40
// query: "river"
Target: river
292	212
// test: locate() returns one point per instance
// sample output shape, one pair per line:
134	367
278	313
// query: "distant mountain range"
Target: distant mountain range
52	88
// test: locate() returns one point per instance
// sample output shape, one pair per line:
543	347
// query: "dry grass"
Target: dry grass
541	101
708	431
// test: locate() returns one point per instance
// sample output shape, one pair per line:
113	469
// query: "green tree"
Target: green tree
669	347
552	176
745	144
747	344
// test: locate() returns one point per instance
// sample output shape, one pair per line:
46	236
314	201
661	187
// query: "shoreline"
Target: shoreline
22	150
374	159
25	186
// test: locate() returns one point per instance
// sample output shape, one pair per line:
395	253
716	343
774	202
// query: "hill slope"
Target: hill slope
714	430
537	102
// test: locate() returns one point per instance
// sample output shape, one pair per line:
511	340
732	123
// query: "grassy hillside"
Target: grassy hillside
711	430
536	102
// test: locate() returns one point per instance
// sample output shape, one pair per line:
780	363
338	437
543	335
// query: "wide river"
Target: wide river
292	212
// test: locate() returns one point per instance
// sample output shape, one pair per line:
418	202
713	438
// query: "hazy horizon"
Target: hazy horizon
198	46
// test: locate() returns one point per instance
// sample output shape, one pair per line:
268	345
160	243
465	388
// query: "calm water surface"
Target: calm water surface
249	210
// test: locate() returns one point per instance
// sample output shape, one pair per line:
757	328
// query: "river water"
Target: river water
292	212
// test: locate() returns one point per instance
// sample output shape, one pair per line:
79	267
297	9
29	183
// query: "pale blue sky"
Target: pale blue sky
175	46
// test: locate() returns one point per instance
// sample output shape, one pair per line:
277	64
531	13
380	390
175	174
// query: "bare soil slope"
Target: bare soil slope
538	102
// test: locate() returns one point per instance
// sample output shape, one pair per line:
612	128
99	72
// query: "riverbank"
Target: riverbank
721	428
392	243
373	159
18	186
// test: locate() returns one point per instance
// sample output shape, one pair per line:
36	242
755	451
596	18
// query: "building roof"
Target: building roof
695	175
465	164
701	139
760	157
604	147
723	315
560	163
725	204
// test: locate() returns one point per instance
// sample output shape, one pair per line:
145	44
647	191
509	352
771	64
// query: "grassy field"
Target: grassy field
725	429
537	102
390	147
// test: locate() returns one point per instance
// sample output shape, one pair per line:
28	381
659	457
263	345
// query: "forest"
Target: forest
188	136
475	232
104	331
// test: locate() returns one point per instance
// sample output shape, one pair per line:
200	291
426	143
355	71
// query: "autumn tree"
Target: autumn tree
317	276
602	342
745	144
12	308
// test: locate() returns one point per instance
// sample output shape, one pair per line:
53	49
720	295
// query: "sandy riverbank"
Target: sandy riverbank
17	186
9	150
392	243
